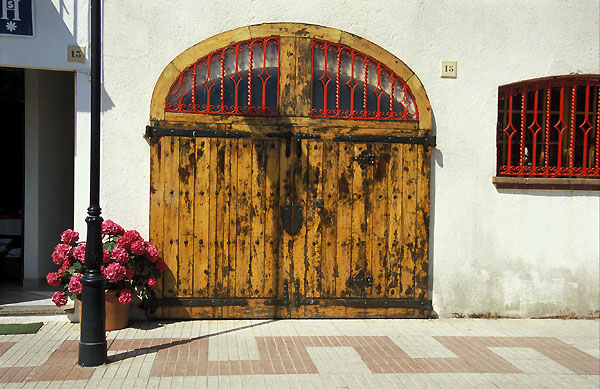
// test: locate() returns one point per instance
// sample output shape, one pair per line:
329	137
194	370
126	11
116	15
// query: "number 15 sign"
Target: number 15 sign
16	18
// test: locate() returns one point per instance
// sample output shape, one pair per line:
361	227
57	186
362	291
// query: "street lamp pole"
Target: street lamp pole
92	341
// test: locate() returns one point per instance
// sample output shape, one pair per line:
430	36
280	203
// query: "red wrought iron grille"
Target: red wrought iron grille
347	84
239	79
550	127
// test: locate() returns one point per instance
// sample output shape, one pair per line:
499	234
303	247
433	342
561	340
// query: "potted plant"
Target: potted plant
131	266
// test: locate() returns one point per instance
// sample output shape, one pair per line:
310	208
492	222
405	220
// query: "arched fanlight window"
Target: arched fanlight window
348	84
240	79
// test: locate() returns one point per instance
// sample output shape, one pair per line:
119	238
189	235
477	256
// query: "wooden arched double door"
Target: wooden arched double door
288	214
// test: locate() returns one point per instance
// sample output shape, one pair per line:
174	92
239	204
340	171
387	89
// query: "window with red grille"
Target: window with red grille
240	79
347	84
549	127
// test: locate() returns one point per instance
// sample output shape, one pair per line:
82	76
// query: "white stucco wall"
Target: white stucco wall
513	253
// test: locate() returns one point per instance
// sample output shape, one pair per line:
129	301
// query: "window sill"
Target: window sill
589	184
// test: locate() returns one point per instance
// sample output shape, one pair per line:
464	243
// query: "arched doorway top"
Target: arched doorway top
295	70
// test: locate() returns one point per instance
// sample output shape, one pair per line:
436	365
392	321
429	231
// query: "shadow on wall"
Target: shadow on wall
437	160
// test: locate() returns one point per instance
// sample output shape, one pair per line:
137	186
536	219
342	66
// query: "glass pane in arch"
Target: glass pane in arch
239	79
348	84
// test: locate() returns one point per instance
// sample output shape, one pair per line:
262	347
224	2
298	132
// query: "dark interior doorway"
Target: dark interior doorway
12	111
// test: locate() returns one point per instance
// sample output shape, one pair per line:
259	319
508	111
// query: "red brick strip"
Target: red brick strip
289	355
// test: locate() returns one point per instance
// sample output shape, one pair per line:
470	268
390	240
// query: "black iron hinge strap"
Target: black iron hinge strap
157	132
425	140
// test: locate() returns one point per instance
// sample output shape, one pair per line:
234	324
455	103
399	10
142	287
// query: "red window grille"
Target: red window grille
240	79
549	127
347	84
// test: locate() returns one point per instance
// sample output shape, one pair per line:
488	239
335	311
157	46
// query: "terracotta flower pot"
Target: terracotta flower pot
117	314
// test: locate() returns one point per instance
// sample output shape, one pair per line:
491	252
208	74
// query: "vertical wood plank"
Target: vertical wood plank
287	76
313	263
233	205
285	267
185	236
303	76
272	218
257	214
359	222
201	217
244	162
214	220
379	224
344	218
187	163
171	225
225	193
422	228
299	242
395	239
156	208
328	219
409	218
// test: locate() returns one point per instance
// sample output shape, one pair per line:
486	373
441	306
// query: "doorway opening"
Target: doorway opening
12	111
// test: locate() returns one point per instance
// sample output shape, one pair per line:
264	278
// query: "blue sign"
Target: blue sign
16	17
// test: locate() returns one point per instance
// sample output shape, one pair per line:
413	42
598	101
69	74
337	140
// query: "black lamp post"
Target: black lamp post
92	342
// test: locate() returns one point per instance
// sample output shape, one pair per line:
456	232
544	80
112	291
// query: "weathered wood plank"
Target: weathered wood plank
379	224
257	215
314	194
358	263
222	217
344	218
171	225
287	76
422	228
299	242
395	238
303	76
201	218
286	249
185	263
233	207
272	218
214	219
244	239
409	219
156	207
328	218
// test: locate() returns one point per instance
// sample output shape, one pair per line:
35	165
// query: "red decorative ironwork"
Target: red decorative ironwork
239	79
556	137
363	87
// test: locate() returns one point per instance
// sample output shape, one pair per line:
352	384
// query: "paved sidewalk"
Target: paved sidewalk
445	353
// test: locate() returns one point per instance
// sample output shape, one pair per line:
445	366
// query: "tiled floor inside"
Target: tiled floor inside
313	354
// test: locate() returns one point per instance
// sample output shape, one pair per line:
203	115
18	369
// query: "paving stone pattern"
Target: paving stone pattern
314	353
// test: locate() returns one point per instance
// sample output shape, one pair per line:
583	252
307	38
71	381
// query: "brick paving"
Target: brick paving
313	354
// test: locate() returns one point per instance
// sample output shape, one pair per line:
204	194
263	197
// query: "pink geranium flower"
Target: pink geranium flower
53	279
151	253
125	296
114	272
69	236
129	272
120	255
128	238
106	256
75	286
61	253
64	268
111	228
151	282
79	252
59	299
138	247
